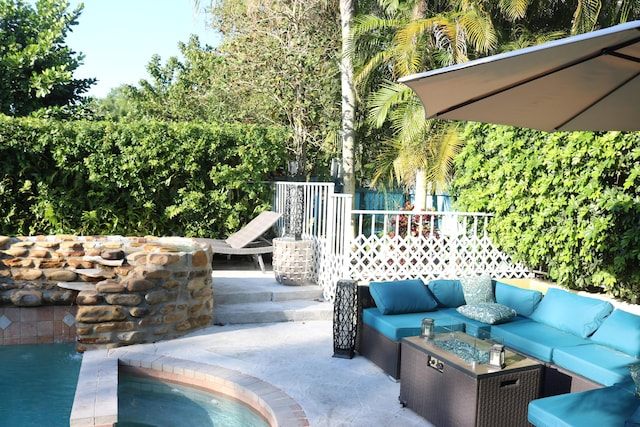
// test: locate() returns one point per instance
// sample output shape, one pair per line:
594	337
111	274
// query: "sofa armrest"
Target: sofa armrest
365	300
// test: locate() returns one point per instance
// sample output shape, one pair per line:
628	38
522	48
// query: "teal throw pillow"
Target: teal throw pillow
402	296
488	312
620	331
477	289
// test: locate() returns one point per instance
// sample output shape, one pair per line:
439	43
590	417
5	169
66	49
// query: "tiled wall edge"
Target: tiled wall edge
96	399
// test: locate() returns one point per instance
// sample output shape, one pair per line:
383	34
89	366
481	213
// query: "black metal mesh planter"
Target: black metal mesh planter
345	319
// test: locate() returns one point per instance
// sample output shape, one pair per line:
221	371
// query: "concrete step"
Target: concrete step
269	312
243	295
246	295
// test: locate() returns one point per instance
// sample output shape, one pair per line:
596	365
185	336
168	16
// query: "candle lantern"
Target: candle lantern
496	356
427	331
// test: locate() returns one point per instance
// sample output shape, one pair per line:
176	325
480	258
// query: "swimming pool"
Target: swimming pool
148	401
37	384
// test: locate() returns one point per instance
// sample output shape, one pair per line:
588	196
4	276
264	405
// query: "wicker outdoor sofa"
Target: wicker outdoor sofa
585	345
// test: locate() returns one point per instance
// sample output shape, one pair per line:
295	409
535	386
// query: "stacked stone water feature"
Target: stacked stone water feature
128	290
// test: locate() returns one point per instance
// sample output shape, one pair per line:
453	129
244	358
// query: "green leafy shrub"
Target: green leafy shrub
566	202
136	178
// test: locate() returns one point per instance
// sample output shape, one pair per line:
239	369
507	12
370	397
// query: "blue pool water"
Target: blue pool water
37	384
146	402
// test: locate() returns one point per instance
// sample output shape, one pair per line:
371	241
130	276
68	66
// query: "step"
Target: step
240	295
244	296
241	286
269	312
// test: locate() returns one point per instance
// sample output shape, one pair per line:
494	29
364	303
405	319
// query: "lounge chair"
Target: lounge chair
248	240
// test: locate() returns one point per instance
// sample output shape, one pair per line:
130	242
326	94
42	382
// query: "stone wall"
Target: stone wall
123	290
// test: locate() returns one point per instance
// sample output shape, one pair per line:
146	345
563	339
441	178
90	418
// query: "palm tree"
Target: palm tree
411	38
347	12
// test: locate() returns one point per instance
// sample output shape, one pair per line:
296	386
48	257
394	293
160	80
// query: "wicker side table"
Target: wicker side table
447	391
292	260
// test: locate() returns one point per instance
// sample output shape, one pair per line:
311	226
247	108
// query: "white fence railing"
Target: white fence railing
394	245
390	245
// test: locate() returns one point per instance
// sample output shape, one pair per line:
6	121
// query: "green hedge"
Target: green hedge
137	178
566	202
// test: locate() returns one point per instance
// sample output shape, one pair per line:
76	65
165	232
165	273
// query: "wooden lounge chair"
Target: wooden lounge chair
248	240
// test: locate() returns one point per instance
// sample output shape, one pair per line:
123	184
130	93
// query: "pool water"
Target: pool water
37	384
146	402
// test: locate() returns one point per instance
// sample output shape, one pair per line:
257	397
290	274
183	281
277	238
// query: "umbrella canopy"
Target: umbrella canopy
588	82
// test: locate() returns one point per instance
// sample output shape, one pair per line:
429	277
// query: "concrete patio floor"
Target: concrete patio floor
297	357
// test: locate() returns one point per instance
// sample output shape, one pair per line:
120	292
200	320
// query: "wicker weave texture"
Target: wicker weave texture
292	261
345	319
452	397
382	351
504	398
365	300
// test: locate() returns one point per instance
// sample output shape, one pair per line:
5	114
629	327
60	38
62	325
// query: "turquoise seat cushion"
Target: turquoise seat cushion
402	296
569	312
621	330
448	293
633	420
523	301
487	312
399	326
610	406
595	362
535	339
478	289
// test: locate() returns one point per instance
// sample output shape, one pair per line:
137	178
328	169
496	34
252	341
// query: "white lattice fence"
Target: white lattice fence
389	245
431	245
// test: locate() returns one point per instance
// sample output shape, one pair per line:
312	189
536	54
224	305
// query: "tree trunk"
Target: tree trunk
420	202
347	12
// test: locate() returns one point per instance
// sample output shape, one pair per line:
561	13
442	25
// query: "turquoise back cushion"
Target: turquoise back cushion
523	301
620	331
448	293
571	313
402	296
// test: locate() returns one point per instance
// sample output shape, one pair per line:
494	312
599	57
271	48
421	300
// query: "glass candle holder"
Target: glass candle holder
427	331
496	356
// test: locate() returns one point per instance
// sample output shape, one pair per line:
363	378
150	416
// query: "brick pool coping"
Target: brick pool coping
96	399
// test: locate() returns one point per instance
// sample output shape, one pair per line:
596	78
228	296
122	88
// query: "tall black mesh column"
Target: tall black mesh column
345	319
294	211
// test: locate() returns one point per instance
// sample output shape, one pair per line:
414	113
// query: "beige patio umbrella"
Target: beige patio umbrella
587	82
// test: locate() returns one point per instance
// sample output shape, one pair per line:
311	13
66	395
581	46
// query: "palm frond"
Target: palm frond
381	101
479	30
384	171
376	62
364	24
586	16
409	46
408	121
448	147
514	9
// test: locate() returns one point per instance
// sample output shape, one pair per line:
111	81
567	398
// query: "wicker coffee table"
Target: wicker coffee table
448	391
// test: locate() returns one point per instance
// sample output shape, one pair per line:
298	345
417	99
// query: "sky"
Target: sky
118	37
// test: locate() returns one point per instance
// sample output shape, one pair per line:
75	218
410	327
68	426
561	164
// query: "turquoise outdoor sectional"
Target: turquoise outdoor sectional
584	343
